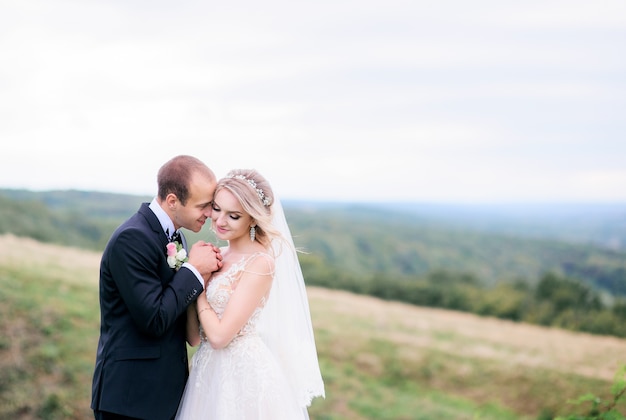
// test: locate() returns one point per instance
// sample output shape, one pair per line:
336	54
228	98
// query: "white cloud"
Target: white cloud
418	100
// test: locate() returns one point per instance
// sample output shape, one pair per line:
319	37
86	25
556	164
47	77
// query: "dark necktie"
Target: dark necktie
176	237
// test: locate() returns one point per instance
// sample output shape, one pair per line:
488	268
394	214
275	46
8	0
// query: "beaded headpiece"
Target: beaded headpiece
265	200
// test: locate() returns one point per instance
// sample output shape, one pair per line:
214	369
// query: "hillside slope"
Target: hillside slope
379	359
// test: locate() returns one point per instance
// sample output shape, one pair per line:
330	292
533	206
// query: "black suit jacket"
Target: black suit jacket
141	362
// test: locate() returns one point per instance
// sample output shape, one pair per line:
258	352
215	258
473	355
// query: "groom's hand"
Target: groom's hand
206	258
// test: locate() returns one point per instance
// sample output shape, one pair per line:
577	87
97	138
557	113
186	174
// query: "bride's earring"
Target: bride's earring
252	233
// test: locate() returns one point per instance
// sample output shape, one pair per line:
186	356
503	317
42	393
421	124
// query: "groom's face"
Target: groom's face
197	210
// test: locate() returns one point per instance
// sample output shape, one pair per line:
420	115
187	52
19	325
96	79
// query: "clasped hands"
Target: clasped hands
206	258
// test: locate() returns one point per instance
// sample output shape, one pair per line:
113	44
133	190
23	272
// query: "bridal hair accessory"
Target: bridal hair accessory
265	200
176	255
252	233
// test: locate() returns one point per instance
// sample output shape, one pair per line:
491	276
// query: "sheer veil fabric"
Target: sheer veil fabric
285	324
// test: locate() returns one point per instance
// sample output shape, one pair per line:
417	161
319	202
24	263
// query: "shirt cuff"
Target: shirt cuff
196	272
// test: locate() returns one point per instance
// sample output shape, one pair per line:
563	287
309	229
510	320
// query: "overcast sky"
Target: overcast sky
438	101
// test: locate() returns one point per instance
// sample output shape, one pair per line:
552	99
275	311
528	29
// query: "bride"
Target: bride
257	357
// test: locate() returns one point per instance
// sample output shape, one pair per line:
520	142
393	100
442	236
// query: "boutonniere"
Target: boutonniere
176	255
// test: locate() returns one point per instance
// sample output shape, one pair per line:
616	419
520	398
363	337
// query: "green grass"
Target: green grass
375	365
357	395
50	329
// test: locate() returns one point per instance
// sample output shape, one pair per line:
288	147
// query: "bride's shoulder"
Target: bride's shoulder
260	262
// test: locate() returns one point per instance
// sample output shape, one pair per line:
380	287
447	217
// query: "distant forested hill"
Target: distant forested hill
602	224
77	218
491	244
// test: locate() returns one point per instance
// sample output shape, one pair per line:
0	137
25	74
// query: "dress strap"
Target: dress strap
246	260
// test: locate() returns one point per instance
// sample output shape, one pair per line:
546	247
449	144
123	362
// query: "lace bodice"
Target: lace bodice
270	370
243	380
222	286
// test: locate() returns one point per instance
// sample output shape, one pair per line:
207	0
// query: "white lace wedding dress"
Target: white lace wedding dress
242	381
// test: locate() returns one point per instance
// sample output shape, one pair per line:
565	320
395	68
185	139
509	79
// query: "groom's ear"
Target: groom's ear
171	201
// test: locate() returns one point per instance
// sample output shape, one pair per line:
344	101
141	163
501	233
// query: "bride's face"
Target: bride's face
230	221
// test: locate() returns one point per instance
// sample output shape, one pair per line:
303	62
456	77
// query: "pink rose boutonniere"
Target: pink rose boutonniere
176	255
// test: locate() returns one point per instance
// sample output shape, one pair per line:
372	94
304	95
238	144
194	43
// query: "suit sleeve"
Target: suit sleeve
155	295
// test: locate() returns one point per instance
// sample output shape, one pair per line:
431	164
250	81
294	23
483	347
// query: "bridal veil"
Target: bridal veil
285	325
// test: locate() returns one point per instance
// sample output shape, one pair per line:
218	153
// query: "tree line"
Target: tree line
554	300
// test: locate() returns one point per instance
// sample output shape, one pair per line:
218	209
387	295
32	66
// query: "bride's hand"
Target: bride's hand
218	256
204	257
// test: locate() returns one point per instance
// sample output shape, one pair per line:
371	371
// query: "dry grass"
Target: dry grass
368	346
467	335
524	368
82	265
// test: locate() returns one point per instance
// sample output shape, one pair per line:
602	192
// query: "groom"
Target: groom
141	362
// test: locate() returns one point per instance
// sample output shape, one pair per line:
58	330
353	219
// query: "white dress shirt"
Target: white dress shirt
168	226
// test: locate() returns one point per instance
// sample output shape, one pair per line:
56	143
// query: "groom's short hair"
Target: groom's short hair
175	174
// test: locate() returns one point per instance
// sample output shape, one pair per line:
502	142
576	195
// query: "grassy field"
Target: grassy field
380	360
